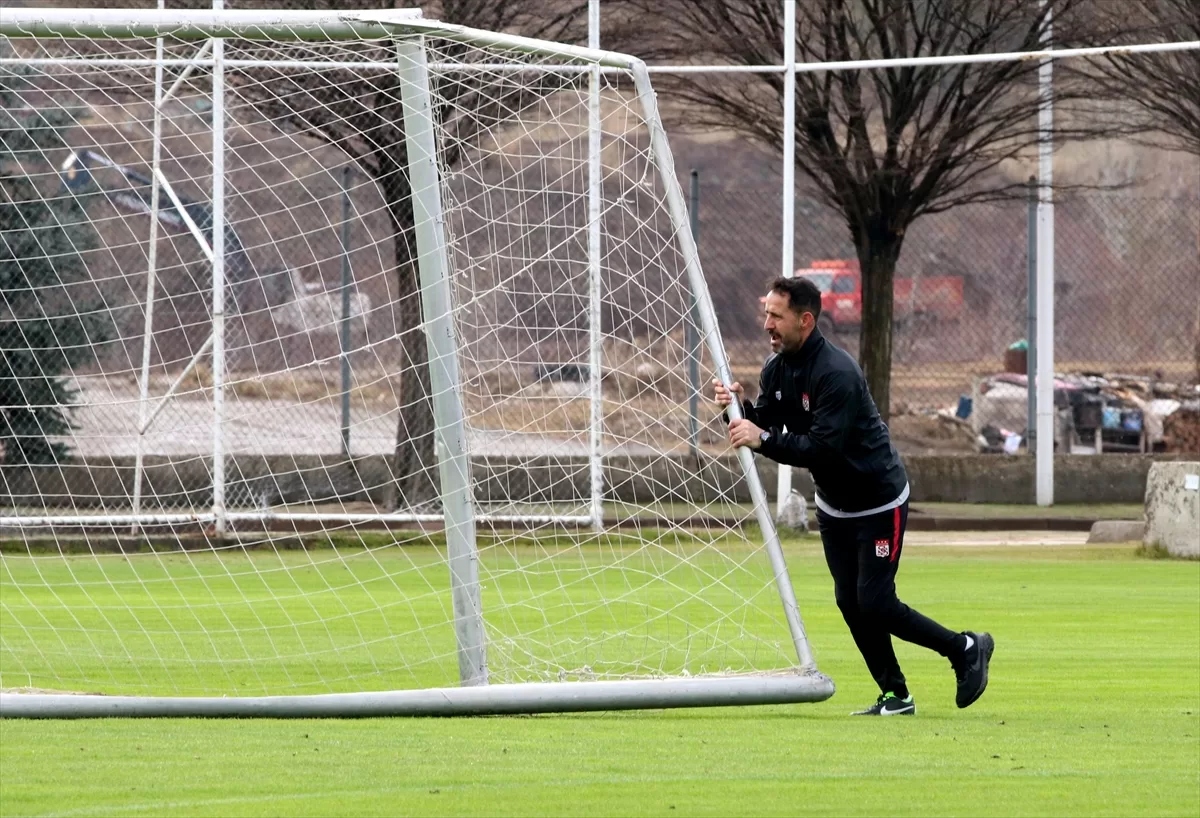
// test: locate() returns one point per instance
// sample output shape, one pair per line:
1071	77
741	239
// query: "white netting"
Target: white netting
351	591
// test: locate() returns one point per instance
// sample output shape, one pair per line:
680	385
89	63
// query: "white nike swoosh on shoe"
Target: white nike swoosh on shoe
883	711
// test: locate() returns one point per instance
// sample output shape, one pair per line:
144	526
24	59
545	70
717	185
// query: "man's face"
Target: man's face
787	330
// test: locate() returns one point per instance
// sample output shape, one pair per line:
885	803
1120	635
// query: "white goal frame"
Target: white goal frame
210	26
801	684
320	25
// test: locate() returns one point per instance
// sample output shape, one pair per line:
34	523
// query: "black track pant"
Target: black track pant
863	554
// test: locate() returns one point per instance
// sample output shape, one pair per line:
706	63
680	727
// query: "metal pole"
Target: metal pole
322	26
595	329
503	699
661	153
1031	318
1045	280
693	344
151	275
268	519
201	24
436	303
611	63
345	328
218	278
783	483
1196	340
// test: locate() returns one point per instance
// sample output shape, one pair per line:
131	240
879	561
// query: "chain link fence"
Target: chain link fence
311	268
1127	301
1127	285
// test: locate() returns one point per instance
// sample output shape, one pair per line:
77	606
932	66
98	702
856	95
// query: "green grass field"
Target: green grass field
1093	709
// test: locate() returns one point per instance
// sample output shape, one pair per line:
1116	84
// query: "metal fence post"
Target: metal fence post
1031	319
783	476
345	328
1044	468
218	282
692	341
595	281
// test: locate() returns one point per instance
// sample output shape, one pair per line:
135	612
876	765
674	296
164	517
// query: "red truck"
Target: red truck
840	283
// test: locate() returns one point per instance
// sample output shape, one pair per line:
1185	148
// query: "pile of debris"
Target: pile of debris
1149	405
1095	413
1181	429
933	432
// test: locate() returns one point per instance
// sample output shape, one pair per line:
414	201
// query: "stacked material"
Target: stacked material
1181	429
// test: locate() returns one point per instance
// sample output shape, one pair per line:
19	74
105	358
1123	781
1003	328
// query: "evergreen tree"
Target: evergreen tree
51	316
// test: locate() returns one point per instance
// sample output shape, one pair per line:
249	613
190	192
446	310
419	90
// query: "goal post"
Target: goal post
453	468
536	197
712	338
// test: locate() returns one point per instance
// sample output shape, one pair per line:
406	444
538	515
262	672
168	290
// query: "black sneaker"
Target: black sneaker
972	669
889	704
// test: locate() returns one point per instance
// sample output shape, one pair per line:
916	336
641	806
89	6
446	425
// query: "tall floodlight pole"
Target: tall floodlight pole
218	278
783	486
1045	275
595	330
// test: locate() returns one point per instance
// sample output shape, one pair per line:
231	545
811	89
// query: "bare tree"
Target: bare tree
362	115
883	147
1157	94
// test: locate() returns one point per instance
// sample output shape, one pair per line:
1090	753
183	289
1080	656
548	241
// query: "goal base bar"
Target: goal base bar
490	700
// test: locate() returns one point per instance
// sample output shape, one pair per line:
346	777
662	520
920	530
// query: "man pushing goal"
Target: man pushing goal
817	391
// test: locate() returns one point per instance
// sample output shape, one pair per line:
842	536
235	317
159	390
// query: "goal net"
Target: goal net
361	357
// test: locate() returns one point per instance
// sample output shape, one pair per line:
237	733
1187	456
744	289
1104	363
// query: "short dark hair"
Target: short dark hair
803	295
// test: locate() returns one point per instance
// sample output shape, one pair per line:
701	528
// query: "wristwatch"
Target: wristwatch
764	436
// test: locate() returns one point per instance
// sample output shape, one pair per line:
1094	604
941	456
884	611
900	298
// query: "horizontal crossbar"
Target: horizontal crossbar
105	520
381	66
199	25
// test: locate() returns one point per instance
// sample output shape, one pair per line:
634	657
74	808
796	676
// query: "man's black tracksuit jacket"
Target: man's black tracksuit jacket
833	428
